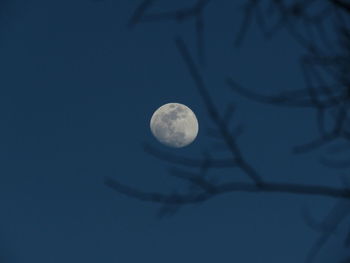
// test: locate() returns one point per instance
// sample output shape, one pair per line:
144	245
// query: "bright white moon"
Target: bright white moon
174	125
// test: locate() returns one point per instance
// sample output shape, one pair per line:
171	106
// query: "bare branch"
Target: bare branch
139	12
156	197
194	12
214	114
178	14
193	198
320	227
196	179
337	214
342	4
295	98
230	109
249	12
347	240
347	260
336	163
315	144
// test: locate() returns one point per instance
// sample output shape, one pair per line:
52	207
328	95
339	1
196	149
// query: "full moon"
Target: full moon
174	125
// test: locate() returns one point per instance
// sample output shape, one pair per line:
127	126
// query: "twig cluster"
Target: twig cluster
327	92
206	188
326	70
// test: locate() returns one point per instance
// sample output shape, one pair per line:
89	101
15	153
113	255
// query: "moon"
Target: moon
174	125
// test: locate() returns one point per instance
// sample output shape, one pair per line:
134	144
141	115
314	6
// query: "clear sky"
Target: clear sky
78	89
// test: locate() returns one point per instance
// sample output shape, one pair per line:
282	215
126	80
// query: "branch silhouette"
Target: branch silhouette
321	95
339	212
342	4
194	12
208	189
325	68
192	198
214	114
329	97
298	18
341	149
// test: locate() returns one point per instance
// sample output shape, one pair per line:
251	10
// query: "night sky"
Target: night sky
78	89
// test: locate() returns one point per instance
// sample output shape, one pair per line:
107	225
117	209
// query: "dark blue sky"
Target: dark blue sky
77	92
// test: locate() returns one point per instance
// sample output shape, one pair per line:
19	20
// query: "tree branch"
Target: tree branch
193	198
342	4
214	114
